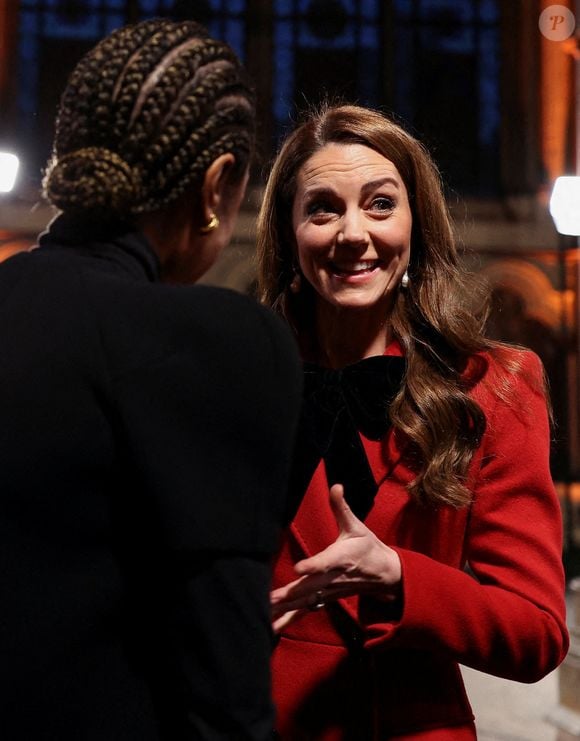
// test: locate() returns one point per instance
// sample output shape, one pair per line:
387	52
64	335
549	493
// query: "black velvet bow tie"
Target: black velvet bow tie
337	404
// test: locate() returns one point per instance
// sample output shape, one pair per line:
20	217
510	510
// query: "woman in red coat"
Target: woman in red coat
430	532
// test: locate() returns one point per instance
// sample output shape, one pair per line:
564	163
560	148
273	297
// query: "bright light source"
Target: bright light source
8	169
565	205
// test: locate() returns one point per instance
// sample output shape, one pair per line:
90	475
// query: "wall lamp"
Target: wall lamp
565	205
9	164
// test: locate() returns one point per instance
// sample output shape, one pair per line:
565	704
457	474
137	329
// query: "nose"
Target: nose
352	229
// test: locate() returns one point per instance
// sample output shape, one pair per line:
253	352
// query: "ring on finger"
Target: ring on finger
316	602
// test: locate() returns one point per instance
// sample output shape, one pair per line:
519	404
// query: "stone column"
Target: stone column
556	103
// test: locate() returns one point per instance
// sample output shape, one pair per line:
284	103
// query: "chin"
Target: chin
357	305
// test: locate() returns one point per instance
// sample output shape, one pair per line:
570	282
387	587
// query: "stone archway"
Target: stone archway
540	300
527	310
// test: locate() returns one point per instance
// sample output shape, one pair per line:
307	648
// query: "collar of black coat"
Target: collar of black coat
116	241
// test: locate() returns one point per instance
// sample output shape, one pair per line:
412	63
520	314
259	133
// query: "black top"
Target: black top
145	445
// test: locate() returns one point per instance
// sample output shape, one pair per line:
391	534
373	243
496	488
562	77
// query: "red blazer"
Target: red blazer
482	586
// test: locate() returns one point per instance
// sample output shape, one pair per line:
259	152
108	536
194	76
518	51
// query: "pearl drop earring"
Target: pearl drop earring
296	283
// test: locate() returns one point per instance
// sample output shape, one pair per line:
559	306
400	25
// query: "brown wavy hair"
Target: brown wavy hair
143	115
433	319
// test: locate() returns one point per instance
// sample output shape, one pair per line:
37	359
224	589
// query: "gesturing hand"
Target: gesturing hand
356	563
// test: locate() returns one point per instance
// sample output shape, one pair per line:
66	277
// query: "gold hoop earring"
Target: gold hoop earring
212	224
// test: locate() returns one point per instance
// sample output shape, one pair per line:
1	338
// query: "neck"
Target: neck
169	232
345	336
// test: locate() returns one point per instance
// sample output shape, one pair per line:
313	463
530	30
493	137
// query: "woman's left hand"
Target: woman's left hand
356	563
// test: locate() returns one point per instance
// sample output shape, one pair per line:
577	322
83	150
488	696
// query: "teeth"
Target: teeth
356	266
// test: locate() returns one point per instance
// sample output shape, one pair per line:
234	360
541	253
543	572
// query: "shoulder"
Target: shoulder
48	285
511	386
505	369
151	322
250	329
231	305
227	313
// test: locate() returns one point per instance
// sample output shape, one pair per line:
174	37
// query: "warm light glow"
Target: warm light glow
8	169
565	205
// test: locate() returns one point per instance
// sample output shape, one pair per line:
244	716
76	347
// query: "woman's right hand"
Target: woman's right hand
357	563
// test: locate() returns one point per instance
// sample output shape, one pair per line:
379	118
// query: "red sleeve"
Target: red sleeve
510	619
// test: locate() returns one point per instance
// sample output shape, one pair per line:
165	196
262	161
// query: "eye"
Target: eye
382	203
319	207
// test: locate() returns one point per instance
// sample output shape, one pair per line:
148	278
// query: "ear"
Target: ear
215	183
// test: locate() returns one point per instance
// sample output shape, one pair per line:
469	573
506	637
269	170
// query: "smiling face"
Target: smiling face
352	225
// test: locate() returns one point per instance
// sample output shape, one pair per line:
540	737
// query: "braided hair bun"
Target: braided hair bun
93	176
143	115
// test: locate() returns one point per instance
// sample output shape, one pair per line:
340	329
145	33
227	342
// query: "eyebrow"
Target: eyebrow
374	184
366	188
319	192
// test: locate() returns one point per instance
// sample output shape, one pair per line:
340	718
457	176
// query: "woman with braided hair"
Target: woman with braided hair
137	517
423	449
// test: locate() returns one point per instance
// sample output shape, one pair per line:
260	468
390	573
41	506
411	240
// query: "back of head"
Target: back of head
143	115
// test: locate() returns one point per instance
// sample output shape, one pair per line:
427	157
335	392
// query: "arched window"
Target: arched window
433	63
446	84
225	19
54	34
326	49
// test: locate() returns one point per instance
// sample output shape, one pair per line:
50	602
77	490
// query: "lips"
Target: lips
361	267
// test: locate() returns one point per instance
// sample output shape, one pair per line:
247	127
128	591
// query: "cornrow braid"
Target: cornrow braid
225	130
148	60
94	79
143	116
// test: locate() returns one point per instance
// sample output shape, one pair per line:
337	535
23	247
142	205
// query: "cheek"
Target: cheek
395	239
310	262
311	245
406	240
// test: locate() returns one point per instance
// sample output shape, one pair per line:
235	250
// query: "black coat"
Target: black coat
145	441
